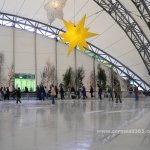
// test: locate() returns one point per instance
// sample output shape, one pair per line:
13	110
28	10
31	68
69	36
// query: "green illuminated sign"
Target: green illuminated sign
25	80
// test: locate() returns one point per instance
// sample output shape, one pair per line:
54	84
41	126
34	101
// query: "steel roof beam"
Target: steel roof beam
142	7
124	19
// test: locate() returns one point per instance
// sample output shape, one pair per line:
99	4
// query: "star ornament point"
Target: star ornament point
76	35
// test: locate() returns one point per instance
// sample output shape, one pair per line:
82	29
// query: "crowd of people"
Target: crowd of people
43	92
81	93
53	92
5	94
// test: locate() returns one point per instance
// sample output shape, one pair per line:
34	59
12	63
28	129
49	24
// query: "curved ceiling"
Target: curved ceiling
111	38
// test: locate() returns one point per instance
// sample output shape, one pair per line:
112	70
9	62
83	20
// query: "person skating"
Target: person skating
91	91
62	93
100	90
118	92
56	91
84	92
53	94
136	92
73	93
18	95
7	93
109	90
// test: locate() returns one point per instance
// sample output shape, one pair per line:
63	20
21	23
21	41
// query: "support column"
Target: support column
75	62
56	63
14	58
94	78
35	56
14	48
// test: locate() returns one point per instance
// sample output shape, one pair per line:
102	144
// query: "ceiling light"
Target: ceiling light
54	9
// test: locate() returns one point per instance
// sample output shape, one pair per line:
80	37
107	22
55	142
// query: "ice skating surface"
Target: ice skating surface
74	125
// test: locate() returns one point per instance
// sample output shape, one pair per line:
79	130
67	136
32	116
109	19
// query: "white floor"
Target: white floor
74	125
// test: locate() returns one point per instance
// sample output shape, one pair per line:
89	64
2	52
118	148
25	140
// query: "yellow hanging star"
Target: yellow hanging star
76	35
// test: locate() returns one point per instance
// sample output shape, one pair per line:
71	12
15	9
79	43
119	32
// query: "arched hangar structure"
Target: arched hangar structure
123	29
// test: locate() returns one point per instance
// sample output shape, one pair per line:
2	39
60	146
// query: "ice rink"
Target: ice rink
75	125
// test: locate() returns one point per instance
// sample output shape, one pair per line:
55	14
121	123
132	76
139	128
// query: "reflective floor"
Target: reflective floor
75	125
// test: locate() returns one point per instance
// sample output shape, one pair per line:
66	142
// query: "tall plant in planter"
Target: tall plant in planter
80	74
48	74
68	78
11	77
101	77
92	79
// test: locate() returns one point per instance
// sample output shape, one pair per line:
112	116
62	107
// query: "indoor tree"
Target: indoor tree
115	78
11	77
48	74
80	74
68	78
101	77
